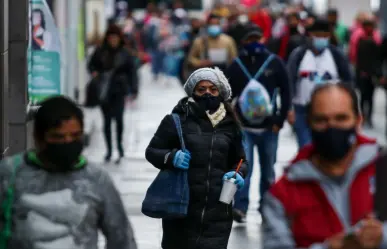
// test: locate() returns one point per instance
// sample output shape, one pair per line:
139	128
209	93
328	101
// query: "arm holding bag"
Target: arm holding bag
168	195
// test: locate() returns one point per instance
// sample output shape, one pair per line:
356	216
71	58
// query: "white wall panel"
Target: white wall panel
349	8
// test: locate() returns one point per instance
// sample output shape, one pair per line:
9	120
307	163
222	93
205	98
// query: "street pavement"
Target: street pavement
135	174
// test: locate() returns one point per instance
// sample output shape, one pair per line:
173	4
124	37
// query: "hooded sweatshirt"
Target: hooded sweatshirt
53	209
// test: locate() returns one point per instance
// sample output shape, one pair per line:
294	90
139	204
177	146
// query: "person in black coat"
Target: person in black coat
214	141
114	67
262	134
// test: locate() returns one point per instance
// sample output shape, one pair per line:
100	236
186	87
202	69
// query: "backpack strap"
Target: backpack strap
176	119
261	69
243	68
264	66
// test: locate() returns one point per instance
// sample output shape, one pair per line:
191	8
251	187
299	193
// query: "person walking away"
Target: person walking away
113	66
214	143
214	49
315	63
340	30
152	39
327	191
194	32
52	196
292	38
236	28
368	69
262	19
358	34
270	79
129	25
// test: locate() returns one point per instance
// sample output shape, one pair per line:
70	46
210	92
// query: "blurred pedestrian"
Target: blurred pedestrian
263	75
113	67
341	31
368	68
214	48
317	62
325	199
52	196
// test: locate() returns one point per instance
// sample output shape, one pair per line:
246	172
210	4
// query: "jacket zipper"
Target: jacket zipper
207	188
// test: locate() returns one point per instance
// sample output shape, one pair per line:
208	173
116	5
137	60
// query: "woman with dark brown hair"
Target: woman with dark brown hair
114	67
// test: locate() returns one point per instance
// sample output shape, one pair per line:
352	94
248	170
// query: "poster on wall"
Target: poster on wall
44	68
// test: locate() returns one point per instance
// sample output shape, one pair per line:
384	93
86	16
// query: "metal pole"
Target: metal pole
3	76
18	43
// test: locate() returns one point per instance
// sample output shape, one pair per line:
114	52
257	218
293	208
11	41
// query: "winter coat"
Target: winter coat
368	57
214	151
52	209
124	77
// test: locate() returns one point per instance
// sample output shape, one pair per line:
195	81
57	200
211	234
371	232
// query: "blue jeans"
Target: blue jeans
157	62
267	143
301	126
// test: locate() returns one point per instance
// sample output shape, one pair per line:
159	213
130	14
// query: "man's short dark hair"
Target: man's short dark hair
342	86
333	12
53	112
213	16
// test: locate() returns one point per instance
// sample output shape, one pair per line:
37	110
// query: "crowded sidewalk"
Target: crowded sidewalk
135	174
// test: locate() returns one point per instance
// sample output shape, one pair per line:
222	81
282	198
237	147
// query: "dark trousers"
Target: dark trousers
173	234
117	113
367	89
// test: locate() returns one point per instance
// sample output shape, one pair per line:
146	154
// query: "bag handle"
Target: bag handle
176	119
261	69
7	204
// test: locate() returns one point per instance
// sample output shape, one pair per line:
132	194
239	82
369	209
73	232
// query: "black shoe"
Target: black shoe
108	157
239	216
121	151
118	161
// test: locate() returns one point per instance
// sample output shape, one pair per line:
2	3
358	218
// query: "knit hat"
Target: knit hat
215	76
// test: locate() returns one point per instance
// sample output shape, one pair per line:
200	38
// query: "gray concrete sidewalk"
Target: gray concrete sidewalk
135	174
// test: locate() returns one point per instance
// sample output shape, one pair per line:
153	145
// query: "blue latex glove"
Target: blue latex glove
239	181
182	159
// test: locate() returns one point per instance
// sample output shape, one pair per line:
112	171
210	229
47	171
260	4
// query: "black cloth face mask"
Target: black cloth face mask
333	144
63	155
208	102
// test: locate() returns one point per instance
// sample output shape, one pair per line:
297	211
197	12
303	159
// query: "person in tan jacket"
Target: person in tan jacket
213	49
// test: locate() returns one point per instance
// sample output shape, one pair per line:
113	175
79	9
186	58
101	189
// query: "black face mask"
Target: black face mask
63	155
333	144
208	102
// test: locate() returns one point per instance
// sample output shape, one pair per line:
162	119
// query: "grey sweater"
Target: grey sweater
53	210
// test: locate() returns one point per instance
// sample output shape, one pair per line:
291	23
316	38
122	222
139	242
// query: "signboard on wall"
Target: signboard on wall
44	48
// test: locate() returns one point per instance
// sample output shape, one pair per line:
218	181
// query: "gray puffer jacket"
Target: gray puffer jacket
61	210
